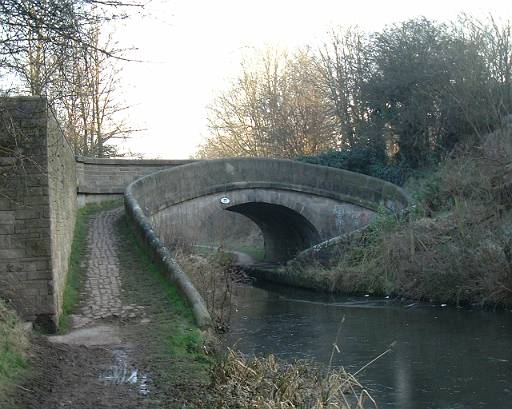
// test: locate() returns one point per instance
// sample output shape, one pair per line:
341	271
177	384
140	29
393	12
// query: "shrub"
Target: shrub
214	276
361	160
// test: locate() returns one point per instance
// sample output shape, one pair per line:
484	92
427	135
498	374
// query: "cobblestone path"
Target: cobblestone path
102	296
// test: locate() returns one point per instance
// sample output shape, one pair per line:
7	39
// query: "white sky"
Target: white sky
193	49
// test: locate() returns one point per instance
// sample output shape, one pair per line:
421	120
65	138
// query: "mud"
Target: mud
90	336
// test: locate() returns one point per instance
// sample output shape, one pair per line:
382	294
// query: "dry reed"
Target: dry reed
241	382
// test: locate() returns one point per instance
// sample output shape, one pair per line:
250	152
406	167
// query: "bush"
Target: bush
214	276
361	160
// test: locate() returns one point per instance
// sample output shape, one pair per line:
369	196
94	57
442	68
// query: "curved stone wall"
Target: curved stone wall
161	255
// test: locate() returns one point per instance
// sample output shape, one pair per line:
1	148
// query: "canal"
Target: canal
442	358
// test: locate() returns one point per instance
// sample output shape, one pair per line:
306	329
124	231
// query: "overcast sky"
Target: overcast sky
192	50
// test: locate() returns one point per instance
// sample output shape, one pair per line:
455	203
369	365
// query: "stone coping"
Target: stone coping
132	162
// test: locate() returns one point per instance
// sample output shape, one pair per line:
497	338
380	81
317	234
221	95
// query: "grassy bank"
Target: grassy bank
175	347
257	253
13	350
454	246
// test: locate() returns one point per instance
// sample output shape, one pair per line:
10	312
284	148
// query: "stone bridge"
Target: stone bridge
295	205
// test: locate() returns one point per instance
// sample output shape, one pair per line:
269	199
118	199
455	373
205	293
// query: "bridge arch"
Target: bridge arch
285	231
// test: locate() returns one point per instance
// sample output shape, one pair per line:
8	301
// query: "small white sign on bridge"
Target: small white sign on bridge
225	200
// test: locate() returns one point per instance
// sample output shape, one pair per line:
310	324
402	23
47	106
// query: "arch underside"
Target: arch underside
285	231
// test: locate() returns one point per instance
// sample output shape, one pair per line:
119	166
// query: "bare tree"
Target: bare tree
406	96
486	98
55	48
344	62
87	97
35	34
275	109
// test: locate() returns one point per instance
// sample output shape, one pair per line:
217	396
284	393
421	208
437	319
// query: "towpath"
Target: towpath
122	350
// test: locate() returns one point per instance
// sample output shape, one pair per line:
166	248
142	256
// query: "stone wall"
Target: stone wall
40	182
62	190
37	209
105	179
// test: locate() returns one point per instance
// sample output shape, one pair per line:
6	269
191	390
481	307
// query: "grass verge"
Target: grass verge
257	253
13	349
77	259
174	345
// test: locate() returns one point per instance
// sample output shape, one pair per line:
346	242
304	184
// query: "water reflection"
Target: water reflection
443	358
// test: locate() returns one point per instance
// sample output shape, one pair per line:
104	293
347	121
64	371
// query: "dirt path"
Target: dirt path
132	342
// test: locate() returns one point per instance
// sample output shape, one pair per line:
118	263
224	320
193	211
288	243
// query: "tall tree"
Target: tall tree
87	100
486	95
344	65
55	48
275	109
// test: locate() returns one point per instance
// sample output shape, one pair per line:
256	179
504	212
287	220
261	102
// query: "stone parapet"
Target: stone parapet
109	177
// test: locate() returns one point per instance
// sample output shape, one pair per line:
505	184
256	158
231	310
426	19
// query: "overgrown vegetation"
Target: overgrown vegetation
241	382
215	277
453	246
13	348
362	160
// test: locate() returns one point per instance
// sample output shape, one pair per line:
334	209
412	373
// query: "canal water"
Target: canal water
444	357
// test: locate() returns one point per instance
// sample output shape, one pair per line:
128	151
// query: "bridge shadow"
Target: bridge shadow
285	231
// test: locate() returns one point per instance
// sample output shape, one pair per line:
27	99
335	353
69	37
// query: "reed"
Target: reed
267	382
